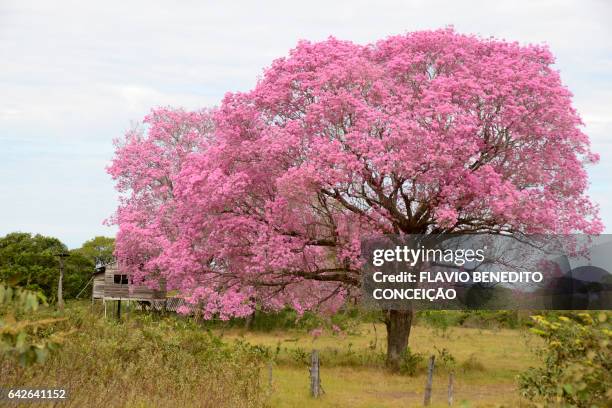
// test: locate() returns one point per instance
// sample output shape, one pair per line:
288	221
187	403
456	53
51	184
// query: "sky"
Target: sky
74	75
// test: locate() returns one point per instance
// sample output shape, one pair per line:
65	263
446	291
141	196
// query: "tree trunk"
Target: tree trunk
398	324
248	322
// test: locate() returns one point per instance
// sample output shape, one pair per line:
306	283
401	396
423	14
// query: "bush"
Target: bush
329	357
442	320
411	363
23	337
472	364
445	359
577	359
346	320
490	319
439	320
145	361
267	321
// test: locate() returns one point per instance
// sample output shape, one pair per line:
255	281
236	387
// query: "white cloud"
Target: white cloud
78	73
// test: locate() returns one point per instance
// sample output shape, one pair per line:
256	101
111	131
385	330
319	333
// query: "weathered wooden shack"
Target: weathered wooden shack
111	283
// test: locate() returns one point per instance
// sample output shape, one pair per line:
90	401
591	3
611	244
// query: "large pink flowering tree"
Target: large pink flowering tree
428	132
146	164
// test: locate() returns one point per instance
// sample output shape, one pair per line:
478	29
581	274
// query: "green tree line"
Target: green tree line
31	261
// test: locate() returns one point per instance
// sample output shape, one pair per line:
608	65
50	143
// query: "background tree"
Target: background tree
29	260
97	249
425	133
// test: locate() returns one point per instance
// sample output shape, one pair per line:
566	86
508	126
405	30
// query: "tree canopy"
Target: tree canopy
265	200
98	249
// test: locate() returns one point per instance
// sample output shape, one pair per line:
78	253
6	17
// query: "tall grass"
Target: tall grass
144	362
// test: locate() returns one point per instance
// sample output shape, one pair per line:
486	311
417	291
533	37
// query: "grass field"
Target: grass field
143	361
486	364
166	361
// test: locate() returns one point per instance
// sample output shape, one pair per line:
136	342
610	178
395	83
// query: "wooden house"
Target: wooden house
110	283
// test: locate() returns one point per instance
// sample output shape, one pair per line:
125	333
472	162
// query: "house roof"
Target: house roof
102	268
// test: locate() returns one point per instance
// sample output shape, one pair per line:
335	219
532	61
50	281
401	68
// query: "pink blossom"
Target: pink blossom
264	201
316	333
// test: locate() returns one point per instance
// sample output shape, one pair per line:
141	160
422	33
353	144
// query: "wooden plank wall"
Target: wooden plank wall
114	290
98	287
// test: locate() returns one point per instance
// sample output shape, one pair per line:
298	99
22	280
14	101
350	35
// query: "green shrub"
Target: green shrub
145	361
24	337
330	357
445	359
490	319
442	320
439	319
472	363
299	356
347	320
577	359
266	321
411	363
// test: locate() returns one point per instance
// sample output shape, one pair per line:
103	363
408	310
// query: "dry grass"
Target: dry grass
144	362
147	361
487	362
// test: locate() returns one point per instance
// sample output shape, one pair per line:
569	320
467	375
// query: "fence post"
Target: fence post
315	379
270	374
428	385
451	378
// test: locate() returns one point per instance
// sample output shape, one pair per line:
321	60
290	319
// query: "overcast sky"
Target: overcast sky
76	74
